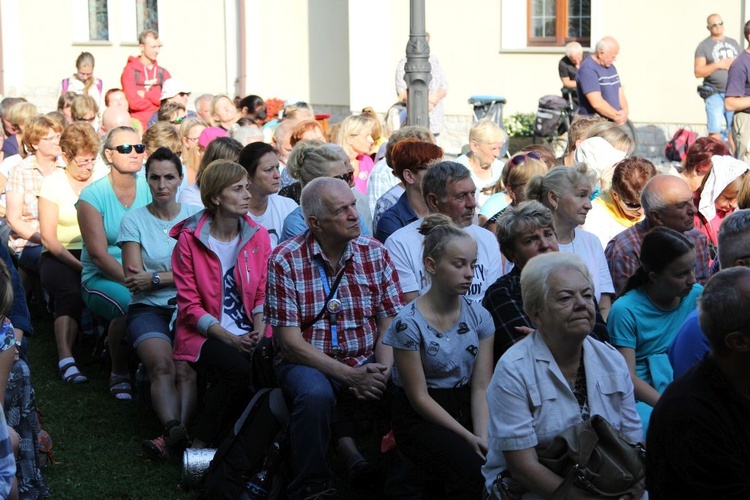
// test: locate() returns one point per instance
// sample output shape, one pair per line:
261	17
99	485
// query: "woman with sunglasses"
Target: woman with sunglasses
267	208
147	265
101	207
509	190
310	160
567	192
60	268
619	207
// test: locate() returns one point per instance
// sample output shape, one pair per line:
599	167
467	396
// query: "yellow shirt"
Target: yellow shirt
57	189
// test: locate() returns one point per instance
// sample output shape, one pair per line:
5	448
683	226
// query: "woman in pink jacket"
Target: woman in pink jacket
219	267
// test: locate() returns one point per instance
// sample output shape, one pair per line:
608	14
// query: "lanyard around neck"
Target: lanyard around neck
333	306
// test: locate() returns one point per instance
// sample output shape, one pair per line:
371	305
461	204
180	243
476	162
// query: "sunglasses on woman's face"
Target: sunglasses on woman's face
521	159
125	149
347	177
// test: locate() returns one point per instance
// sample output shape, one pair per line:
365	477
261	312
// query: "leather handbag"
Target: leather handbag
597	458
592	456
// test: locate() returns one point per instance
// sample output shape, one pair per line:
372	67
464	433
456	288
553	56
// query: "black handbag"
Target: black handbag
592	456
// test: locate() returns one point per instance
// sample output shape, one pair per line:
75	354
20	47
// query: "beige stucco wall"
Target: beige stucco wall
38	47
343	52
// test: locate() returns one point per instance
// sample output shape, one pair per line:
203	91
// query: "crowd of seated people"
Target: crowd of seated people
585	284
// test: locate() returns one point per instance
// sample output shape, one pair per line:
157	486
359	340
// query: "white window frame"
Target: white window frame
80	23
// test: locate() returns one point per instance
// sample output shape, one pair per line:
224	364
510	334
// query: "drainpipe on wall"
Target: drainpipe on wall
242	53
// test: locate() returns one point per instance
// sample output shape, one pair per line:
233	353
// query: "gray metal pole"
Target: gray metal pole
417	71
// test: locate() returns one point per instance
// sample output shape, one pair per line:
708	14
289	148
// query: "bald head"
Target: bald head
574	51
114	117
607	50
668	201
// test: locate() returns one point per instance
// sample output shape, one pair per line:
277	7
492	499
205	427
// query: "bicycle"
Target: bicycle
553	119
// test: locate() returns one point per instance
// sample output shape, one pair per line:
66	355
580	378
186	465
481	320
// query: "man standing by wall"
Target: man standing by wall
713	57
599	88
142	78
737	98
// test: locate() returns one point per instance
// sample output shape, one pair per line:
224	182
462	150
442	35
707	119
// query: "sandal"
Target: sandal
120	388
75	378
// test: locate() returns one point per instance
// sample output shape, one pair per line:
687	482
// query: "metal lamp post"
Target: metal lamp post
417	70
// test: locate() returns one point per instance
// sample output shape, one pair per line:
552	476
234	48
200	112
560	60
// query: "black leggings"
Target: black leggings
229	373
63	283
437	452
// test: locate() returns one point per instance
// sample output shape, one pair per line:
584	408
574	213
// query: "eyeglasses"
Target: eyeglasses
52	138
347	177
521	159
84	163
125	149
632	206
720	23
90	119
177	121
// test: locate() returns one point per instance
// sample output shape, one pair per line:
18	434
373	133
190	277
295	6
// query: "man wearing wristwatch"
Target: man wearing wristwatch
331	293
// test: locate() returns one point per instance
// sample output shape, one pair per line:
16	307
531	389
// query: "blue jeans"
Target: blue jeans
719	120
312	400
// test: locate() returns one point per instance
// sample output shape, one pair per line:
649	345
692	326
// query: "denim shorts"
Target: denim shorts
148	322
719	120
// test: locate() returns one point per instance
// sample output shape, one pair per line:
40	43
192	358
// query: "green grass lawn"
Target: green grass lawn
97	440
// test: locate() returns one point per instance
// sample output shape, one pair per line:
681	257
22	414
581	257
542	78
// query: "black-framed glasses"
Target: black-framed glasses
347	177
125	149
720	23
521	159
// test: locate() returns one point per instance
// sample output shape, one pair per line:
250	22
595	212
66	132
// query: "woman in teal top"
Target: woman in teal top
654	304
101	208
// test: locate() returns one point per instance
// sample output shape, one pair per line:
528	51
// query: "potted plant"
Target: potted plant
520	129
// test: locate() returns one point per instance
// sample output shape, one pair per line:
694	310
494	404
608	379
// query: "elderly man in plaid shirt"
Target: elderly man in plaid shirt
667	201
331	295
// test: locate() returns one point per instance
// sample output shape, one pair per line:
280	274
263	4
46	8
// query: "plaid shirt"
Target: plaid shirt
504	302
381	180
368	290
624	250
26	178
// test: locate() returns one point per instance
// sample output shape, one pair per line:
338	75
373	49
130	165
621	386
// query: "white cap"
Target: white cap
172	87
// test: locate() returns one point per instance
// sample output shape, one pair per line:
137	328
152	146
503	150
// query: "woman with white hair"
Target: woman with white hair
567	192
486	140
554	378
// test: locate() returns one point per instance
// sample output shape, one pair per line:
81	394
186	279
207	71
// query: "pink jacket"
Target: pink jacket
199	280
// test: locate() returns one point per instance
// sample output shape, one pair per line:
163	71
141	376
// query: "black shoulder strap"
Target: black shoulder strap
307	325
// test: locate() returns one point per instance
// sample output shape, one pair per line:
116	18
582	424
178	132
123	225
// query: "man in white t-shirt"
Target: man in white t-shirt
448	189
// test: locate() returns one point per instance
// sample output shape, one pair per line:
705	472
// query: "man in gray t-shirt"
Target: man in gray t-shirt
713	57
